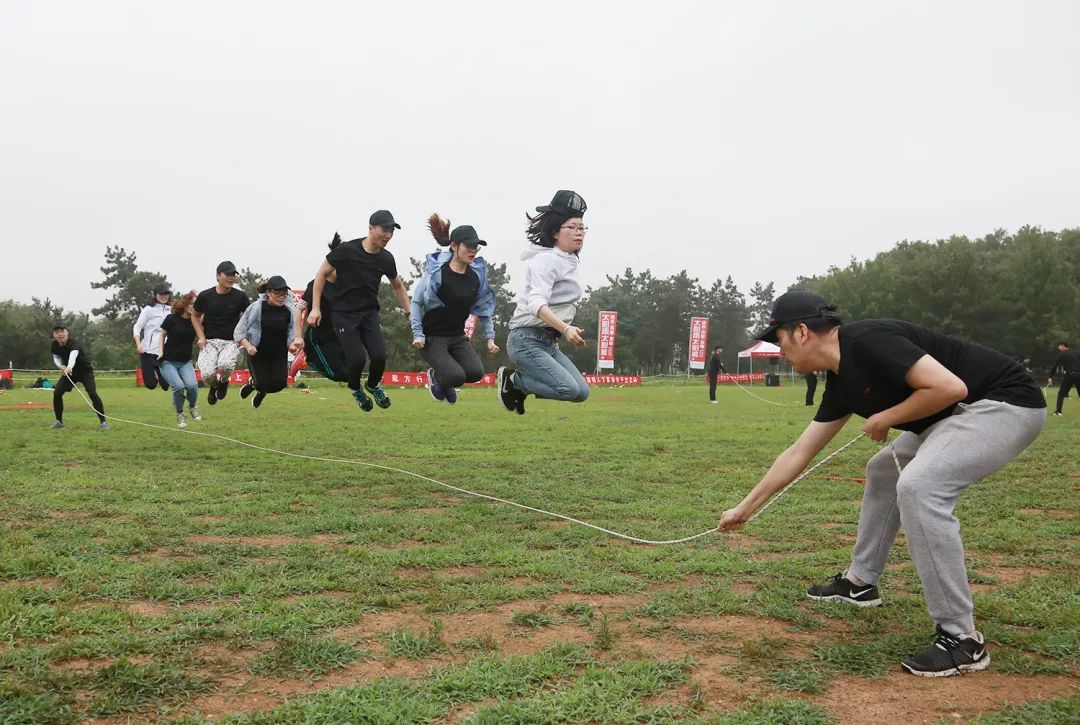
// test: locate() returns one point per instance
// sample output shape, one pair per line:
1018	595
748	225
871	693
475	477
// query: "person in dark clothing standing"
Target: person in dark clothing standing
75	367
716	366
966	412
811	386
359	266
175	342
454	285
267	333
217	310
1068	364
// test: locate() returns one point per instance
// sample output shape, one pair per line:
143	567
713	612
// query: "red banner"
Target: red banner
605	339
470	326
604	379
5	374
729	378
699	342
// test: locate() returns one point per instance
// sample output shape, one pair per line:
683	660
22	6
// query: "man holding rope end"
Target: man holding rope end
965	410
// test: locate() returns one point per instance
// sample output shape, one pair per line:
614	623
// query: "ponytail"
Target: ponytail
440	229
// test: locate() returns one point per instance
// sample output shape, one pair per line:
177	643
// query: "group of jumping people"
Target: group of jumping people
963	410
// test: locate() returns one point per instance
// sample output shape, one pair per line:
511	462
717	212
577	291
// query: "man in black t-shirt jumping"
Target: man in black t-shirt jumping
75	367
965	410
217	310
359	266
1068	364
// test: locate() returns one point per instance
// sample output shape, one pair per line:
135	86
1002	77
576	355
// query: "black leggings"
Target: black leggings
269	371
360	334
454	360
1068	382
63	385
151	376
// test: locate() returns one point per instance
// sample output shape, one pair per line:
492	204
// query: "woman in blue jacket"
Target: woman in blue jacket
454	285
268	333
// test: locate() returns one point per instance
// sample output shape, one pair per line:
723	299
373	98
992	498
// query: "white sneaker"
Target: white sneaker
714	402
180	422
195	414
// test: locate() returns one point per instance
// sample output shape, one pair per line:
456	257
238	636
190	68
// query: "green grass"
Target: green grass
143	569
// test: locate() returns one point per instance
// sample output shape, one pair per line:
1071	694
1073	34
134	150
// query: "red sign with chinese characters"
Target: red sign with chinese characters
605	339
699	341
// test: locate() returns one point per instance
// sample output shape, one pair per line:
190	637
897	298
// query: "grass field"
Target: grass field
154	575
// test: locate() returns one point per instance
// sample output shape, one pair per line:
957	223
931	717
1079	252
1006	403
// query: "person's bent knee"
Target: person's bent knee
452	380
582	393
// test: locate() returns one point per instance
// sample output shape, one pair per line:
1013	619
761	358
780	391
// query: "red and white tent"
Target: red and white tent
758	350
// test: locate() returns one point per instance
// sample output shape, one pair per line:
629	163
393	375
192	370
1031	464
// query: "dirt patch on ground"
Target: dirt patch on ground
209	518
1052	513
274	540
411	573
45	582
403	544
1007	576
86	665
145	608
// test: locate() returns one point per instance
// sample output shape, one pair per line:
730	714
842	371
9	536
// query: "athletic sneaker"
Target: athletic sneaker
57	425
258	399
381	398
519	404
1058	413
949	655
195	414
840	589
180	422
247	390
223	390
714	402
164	385
362	400
433	386
508	394
211	395
104	425
451	396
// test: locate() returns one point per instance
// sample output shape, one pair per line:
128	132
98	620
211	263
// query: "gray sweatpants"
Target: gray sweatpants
938	465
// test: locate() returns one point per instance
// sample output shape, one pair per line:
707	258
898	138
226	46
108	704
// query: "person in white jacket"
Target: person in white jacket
147	334
546	308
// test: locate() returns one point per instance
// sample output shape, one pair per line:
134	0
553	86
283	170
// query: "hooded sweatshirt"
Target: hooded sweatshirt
148	326
550	279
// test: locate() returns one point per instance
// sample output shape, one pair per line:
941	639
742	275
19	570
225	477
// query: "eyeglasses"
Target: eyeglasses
575	228
281	292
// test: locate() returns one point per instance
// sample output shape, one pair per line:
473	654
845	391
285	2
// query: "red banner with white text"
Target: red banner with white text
699	342
605	338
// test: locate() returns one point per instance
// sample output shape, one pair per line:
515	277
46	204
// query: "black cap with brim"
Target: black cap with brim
226	268
162	289
383	218
277	282
567	203
59	325
796	306
466	235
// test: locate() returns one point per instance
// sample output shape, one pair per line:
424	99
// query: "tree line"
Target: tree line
1017	293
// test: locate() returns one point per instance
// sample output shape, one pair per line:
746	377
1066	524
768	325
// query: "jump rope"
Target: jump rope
458	489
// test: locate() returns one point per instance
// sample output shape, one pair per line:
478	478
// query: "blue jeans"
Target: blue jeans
181	378
543	369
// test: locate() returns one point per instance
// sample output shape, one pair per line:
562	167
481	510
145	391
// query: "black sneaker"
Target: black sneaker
433	386
840	589
519	404
211	395
362	400
381	398
258	399
247	390
508	394
223	390
950	655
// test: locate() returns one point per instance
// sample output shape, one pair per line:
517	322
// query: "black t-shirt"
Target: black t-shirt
358	276
275	329
875	355
179	337
220	312
82	362
1068	361
457	292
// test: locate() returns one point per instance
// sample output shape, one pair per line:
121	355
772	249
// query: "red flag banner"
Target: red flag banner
605	339
699	341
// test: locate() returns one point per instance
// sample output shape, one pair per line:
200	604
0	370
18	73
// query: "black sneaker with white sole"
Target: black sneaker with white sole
258	399
840	589
512	399
247	390
949	655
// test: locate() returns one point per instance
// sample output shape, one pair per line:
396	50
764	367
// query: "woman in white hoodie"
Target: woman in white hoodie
546	307
147	334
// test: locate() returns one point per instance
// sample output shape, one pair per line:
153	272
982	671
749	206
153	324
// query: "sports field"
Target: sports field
156	575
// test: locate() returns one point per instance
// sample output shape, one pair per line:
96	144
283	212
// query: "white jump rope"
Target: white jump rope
485	496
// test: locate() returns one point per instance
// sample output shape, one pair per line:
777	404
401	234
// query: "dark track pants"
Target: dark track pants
269	371
360	335
1070	381
151	376
63	385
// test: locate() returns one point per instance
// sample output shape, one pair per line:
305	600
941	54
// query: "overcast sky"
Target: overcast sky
757	140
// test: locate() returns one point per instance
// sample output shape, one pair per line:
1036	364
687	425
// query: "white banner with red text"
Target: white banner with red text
699	342
605	338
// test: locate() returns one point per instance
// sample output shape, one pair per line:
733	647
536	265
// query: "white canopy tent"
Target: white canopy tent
759	349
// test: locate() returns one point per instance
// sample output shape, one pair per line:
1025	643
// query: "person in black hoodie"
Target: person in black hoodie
75	367
716	366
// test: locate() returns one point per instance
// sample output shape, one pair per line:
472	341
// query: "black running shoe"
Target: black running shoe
519	404
950	655
381	398
507	392
362	400
434	388
247	390
840	589
211	395
223	390
258	399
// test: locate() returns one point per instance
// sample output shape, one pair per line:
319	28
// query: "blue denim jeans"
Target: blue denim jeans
181	378
542	369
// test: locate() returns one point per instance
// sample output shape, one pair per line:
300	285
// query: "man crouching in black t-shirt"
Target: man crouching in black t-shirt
965	410
360	265
75	367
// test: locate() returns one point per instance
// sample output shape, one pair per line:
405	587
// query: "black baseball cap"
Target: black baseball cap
567	203
277	282
162	289
59	325
465	234
797	306
383	218
226	268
